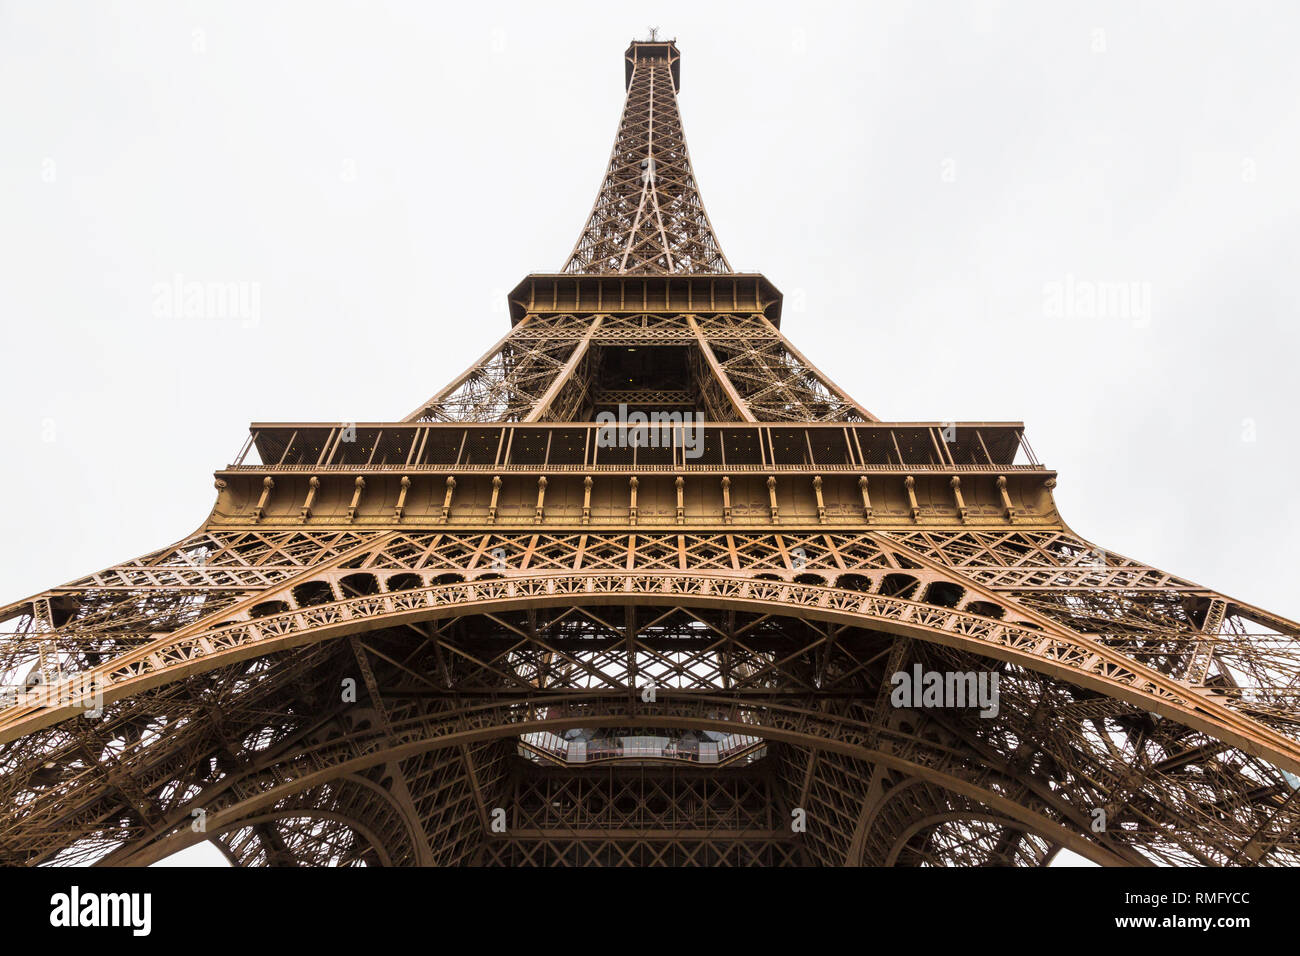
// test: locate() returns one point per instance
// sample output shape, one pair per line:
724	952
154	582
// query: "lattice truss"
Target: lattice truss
775	382
507	383
631	817
648	217
223	659
556	368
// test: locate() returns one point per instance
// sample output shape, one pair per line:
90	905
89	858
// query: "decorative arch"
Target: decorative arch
1020	637
351	800
1036	809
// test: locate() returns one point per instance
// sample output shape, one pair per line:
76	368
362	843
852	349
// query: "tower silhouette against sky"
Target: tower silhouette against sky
643	586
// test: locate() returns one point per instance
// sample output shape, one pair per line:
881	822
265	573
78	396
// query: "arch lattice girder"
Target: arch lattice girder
922	841
433	729
1034	697
76	627
1036	643
249	558
1242	652
348	821
64	788
1078	571
1090	779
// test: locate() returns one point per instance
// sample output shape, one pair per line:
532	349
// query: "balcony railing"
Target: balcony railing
730	749
574	446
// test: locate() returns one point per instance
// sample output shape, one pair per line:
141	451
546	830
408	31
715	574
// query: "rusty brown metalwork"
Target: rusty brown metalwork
636	589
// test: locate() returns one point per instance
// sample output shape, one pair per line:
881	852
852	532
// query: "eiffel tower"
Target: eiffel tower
643	586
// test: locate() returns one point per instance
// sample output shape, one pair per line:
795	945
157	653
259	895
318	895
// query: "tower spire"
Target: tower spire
649	217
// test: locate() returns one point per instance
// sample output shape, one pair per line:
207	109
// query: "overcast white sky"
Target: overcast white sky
918	178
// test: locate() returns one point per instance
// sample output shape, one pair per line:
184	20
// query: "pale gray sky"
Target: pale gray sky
920	179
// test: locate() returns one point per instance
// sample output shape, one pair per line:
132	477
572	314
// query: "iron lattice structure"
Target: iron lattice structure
498	584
